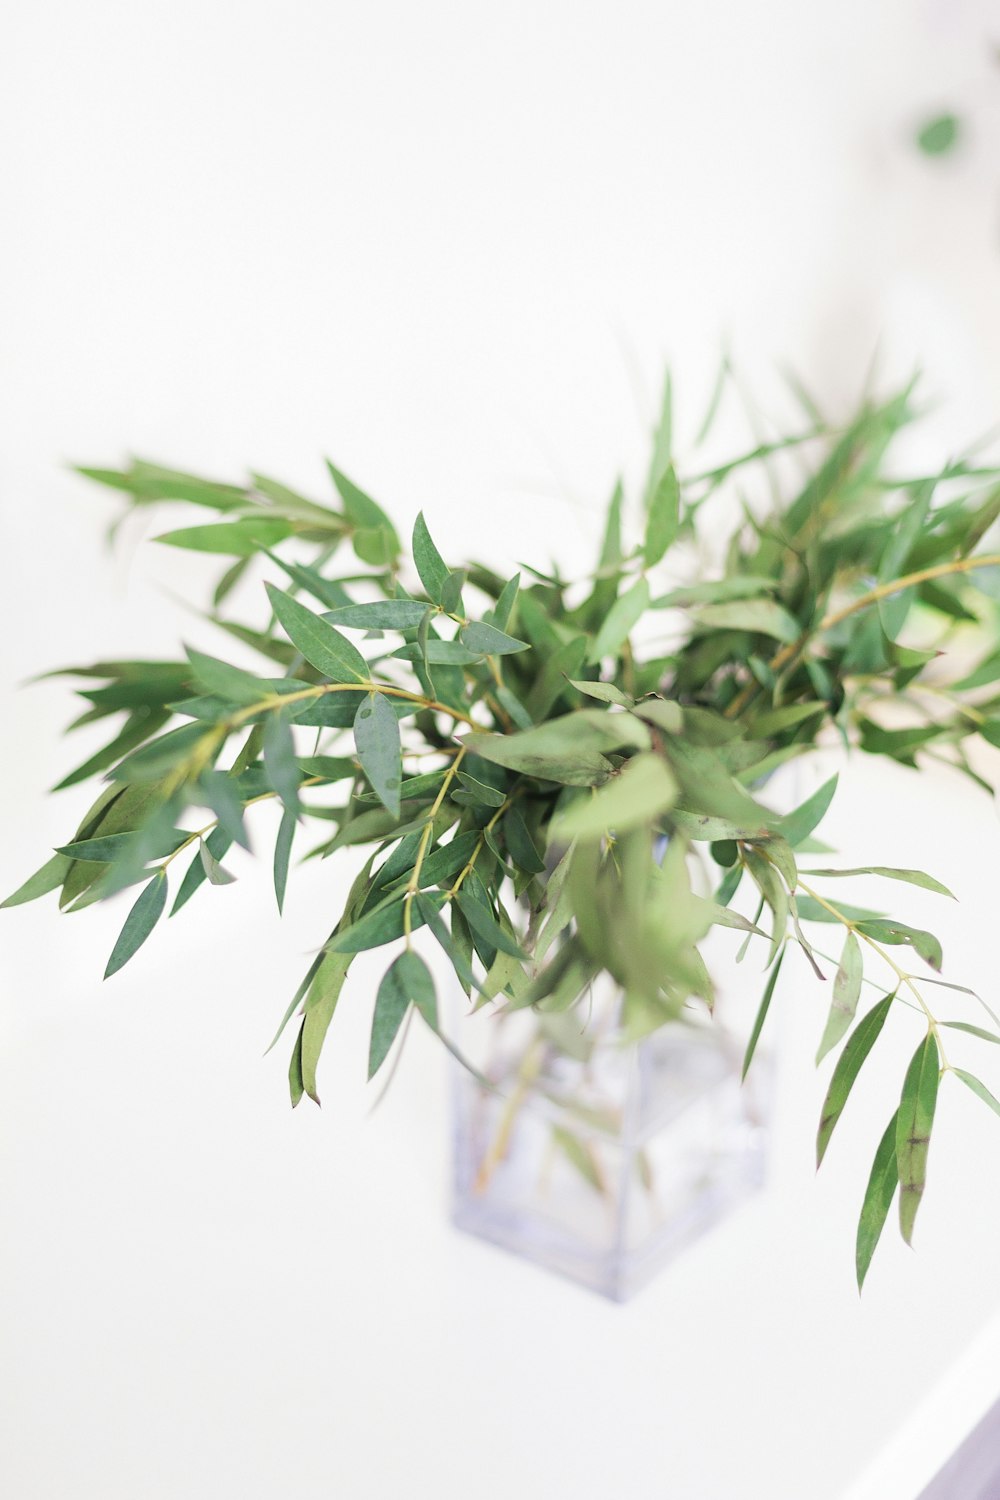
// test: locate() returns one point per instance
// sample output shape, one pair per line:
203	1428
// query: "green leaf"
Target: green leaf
762	1010
938	135
759	616
893	933
282	852
224	798
520	843
912	877
296	1086
431	567
978	1088
633	799
139	923
605	692
230	538
878	1200
483	922
323	647
798	825
533	753
375	540
984	1036
620	619
113	846
485	796
320	1004
407	980
376	735
431	915
387	614
501	612
913	1129
451	592
217	844
486	640
228	682
663	517
382	925
214	872
437	653
845	1074
846	990
49	878
279	761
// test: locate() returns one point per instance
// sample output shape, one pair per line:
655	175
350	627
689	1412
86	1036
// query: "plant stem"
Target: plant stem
883	591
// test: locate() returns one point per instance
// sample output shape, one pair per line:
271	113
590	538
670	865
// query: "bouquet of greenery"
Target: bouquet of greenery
543	795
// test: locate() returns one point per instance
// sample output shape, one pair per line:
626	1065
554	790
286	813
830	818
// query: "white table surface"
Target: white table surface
450	245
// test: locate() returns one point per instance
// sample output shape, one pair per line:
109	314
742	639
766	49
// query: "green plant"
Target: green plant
510	754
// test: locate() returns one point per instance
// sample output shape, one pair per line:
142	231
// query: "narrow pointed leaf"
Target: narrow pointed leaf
911	877
978	1088
913	1129
846	991
48	878
224	798
282	853
279	760
376	735
663	517
139	923
877	1201
322	646
859	1044
214	872
387	614
761	1017
484	923
408	980
798	825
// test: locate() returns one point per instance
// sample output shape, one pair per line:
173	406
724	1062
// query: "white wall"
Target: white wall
451	246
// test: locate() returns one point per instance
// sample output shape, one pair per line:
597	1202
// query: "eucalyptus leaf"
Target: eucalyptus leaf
139	923
913	1129
321	645
845	1074
376	735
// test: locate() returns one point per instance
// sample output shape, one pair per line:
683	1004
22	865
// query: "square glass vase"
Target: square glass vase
601	1160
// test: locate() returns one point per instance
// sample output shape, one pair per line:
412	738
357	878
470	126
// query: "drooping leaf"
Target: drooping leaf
845	1074
408	980
878	1198
214	871
282	852
139	923
483	922
217	843
643	790
846	990
320	1004
224	798
382	925
979	1088
481	794
913	1129
762	1010
520	844
322	646
376	735
279	761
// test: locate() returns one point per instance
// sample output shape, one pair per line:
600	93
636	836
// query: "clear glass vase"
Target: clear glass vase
600	1159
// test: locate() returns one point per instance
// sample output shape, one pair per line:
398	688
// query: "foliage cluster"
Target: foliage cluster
533	785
